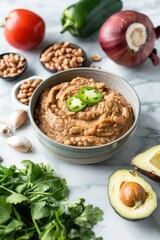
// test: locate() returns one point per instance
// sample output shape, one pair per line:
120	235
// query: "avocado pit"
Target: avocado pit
132	194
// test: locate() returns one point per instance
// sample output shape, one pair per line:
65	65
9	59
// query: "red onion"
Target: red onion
128	38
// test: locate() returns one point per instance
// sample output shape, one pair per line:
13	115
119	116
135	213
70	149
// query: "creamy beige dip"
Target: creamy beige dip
96	125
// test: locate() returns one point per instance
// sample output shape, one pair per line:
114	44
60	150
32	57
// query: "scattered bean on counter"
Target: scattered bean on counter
62	56
11	65
96	58
26	90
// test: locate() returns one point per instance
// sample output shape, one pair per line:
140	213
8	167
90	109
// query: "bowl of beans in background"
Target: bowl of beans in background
62	56
12	66
22	91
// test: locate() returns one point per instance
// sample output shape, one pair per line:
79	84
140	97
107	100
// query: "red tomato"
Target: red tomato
24	29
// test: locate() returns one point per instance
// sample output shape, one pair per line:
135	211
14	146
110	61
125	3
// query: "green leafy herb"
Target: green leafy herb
33	206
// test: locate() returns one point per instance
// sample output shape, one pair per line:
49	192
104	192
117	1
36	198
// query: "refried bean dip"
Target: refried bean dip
96	125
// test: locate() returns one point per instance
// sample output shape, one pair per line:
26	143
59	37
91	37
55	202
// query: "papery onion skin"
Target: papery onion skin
112	38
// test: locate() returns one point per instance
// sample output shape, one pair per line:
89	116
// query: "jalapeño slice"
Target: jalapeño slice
89	95
74	104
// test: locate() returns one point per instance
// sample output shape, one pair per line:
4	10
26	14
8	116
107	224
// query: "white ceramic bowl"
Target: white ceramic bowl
15	90
86	155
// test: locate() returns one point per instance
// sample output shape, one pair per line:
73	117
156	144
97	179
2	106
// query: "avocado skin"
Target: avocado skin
148	162
129	218
150	175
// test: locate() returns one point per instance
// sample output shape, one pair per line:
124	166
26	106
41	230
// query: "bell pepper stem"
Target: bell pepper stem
68	23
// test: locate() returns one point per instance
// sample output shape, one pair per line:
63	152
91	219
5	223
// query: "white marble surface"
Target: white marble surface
90	181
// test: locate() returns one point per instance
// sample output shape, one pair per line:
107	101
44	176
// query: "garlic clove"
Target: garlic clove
4	130
17	118
19	143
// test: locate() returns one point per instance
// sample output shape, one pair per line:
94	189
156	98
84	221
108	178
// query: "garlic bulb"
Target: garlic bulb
4	130
17	118
19	143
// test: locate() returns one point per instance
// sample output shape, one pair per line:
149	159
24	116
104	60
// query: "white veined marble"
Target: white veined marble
90	181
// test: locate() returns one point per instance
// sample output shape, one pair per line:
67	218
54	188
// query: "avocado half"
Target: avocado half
130	195
148	163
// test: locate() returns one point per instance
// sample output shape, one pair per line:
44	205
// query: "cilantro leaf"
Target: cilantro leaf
13	226
16	198
5	210
41	210
89	217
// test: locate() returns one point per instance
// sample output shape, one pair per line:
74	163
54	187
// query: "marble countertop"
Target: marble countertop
90	181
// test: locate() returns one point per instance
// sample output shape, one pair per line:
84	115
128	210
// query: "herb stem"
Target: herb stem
46	233
2	226
41	193
35	224
7	189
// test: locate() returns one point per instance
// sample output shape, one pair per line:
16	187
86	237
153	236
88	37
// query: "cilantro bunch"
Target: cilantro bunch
33	206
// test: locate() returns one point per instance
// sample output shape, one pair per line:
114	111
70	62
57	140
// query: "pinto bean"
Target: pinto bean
61	56
119	120
26	90
11	65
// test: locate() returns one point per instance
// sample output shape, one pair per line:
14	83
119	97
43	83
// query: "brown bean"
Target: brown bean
13	74
57	52
66	44
63	50
21	95
6	71
13	70
3	67
45	59
96	57
66	67
68	50
61	58
35	84
48	50
78	53
11	64
80	59
30	81
24	90
119	120
23	100
19	71
29	94
125	112
57	46
65	61
16	58
57	65
23	86
6	57
31	89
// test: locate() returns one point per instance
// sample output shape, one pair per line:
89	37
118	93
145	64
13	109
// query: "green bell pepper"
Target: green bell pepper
86	16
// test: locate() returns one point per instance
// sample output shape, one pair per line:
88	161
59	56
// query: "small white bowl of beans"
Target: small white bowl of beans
62	56
23	90
12	66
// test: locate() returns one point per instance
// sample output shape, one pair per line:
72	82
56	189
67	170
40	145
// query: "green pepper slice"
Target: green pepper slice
89	95
74	104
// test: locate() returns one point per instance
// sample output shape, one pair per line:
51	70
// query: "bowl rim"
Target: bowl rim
20	74
54	71
120	139
15	88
